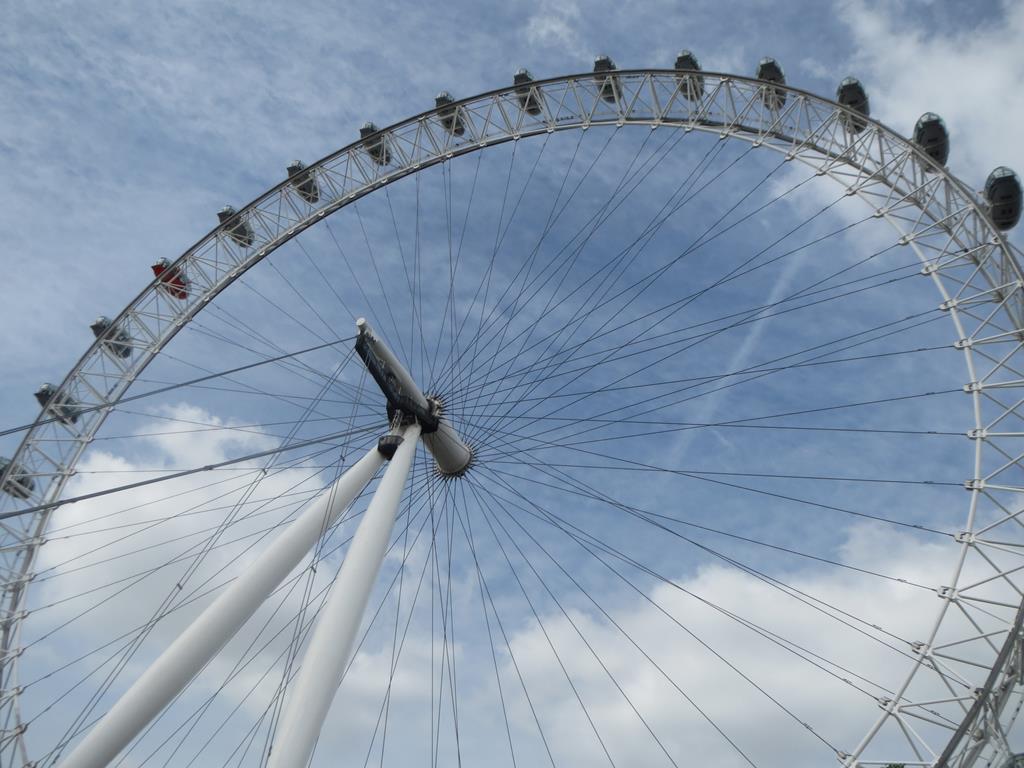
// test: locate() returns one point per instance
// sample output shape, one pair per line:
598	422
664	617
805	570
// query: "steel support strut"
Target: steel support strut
331	646
198	644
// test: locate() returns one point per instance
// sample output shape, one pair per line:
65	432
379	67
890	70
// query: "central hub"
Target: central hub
408	403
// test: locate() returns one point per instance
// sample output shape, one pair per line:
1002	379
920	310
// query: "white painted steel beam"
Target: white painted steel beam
333	640
198	644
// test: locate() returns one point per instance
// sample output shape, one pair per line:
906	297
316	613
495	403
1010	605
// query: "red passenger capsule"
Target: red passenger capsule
172	279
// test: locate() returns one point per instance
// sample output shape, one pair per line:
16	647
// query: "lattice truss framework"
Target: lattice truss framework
963	687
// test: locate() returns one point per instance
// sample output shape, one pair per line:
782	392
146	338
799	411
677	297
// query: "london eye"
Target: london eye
613	417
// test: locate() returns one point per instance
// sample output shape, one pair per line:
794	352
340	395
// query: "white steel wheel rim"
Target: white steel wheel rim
971	264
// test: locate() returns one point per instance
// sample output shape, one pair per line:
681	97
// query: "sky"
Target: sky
124	127
124	131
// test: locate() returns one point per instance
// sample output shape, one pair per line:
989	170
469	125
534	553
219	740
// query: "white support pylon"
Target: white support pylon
170	673
331	645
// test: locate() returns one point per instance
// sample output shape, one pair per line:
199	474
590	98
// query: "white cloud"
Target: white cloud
770	737
557	24
969	75
815	68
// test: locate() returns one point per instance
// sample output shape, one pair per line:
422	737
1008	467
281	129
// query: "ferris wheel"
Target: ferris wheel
617	417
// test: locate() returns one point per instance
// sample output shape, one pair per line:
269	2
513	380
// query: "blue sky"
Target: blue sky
125	127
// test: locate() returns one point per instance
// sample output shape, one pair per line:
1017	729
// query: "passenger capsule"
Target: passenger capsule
851	94
448	114
172	279
610	90
62	407
17	483
1003	192
376	146
235	227
115	339
930	134
303	181
529	97
691	85
770	71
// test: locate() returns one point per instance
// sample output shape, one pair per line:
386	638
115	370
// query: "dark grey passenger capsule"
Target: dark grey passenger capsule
770	71
302	179
930	134
528	96
691	84
376	146
114	338
61	407
235	227
449	115
610	89
17	483
851	94
1003	192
